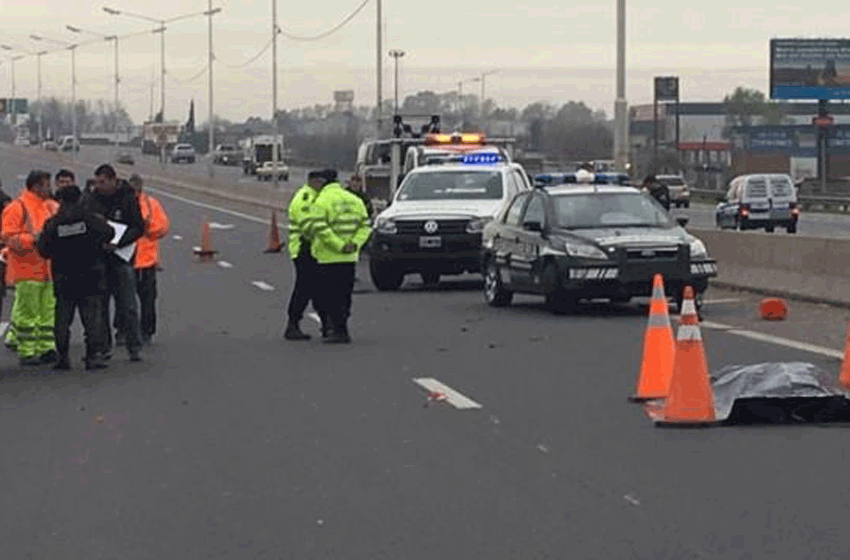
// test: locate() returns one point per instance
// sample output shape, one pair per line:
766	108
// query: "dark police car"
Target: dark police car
574	242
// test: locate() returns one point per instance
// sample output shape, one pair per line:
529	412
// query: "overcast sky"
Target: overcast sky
554	54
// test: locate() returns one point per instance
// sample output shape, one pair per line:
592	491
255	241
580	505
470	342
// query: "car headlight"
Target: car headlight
585	251
385	226
476	225
698	248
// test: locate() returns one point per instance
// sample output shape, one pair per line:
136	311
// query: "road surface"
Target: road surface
229	442
811	224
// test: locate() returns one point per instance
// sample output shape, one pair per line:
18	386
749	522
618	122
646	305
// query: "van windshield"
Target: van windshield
452	185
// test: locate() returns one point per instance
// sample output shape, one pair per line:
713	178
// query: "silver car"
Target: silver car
183	152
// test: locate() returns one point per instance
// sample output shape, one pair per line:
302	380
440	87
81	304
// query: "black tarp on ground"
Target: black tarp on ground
778	393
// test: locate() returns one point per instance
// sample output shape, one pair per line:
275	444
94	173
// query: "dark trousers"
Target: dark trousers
336	283
121	278
305	288
146	290
91	314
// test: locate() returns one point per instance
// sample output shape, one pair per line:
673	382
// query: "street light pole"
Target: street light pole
621	129
396	54
379	70
274	94
73	48
211	146
40	104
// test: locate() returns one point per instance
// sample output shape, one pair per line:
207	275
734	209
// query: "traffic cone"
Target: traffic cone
773	309
844	376
274	237
658	348
690	401
205	251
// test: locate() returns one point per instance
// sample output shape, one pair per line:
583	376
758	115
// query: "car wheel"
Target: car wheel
769	229
430	278
494	290
687	204
792	228
385	277
286	177
558	300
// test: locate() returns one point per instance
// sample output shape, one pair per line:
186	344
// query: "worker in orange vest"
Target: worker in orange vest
33	312
147	256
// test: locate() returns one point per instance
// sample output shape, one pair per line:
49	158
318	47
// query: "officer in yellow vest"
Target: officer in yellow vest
306	268
339	225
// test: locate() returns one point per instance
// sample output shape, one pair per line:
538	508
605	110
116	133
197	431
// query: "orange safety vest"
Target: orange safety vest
156	227
22	221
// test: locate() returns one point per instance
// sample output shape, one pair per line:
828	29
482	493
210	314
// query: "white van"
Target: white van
69	143
760	200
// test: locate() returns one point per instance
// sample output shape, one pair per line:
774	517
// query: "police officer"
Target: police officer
659	191
339	226
355	185
74	240
306	267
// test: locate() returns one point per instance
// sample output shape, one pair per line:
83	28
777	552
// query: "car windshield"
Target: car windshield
452	185
609	210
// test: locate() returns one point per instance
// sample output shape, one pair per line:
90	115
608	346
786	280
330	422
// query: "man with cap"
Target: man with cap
585	174
306	268
339	227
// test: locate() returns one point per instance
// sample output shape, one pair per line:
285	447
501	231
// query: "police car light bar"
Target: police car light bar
454	139
473	159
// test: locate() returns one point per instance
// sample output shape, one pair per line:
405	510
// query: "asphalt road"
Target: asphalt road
811	224
228	441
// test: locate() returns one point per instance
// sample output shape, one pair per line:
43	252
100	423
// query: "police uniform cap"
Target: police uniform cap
330	175
316	175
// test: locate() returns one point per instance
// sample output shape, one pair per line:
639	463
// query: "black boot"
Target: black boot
95	361
293	332
62	363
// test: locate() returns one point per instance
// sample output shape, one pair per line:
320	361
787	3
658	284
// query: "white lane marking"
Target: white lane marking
631	499
778	340
4	325
21	177
224	264
210	207
452	397
177	237
722	300
315	316
216	225
805	346
262	285
196	249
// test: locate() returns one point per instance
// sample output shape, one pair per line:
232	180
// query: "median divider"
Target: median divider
805	268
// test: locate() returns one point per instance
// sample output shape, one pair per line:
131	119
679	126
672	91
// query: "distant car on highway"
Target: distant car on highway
126	158
266	171
183	152
227	154
574	242
22	141
759	201
69	144
433	225
680	194
50	146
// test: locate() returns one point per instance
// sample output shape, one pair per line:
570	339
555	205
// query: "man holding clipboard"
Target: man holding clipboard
116	201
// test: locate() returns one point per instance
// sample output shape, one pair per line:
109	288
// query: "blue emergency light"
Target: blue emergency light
474	159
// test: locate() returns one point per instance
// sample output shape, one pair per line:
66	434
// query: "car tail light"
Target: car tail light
744	210
794	208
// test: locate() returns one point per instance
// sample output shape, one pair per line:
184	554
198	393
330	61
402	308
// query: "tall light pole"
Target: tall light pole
275	131
73	48
621	128
38	55
396	54
161	29
11	109
483	79
379	69
114	38
210	13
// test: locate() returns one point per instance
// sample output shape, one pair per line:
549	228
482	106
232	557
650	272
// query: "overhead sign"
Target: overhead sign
776	139
644	113
17	106
666	88
810	69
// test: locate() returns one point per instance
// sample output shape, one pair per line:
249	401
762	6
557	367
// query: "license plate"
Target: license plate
430	242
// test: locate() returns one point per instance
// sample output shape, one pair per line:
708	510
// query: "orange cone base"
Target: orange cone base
643	399
655	412
274	249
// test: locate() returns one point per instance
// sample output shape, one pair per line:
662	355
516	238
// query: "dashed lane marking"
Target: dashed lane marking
722	300
778	340
216	225
224	264
177	237
452	397
262	285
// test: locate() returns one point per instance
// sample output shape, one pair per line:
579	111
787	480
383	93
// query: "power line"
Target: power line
193	78
250	60
329	32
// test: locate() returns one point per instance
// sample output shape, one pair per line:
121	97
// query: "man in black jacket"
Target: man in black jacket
116	201
74	240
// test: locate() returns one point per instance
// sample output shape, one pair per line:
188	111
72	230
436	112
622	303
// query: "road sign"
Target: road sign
810	69
18	106
161	140
666	88
823	122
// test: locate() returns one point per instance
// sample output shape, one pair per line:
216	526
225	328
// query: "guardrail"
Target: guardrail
806	201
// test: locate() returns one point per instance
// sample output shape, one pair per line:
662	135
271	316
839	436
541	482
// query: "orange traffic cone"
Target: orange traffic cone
844	376
274	237
658	348
690	400
205	251
773	309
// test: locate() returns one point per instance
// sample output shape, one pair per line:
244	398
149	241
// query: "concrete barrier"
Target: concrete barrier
808	268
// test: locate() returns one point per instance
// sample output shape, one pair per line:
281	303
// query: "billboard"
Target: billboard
810	69
666	88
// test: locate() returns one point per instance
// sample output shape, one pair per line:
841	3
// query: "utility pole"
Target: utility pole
621	115
211	147
396	54
380	71
274	94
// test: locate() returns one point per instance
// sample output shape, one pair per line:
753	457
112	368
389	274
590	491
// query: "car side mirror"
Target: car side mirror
682	221
533	226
